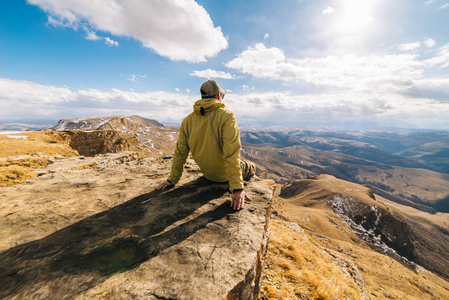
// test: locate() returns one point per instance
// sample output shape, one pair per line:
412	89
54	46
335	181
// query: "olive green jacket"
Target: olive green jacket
211	134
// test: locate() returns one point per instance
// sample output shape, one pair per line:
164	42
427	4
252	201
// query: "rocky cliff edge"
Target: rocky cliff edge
96	228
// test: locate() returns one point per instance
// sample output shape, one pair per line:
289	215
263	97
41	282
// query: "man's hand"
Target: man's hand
238	199
164	185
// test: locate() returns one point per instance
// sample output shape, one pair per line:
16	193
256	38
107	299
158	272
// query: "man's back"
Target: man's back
212	136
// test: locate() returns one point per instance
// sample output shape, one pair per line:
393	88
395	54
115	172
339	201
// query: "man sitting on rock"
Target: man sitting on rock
211	133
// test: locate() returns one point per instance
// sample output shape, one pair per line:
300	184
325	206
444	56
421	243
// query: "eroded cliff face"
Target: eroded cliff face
393	234
91	143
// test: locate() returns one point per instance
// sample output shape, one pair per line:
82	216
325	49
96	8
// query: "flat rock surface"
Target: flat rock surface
95	228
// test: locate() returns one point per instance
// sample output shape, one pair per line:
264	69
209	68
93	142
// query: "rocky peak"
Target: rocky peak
121	123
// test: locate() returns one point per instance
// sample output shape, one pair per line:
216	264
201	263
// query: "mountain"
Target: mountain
411	150
21	127
156	139
297	154
121	123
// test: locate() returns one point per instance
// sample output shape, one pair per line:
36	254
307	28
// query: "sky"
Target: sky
349	64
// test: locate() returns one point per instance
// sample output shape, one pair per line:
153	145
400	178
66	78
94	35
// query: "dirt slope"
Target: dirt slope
357	237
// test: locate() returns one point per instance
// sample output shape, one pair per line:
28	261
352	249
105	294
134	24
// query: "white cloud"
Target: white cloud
389	110
266	36
248	88
110	42
178	90
177	29
446	5
24	99
429	2
347	72
431	88
135	78
209	73
429	42
91	35
329	10
441	60
409	46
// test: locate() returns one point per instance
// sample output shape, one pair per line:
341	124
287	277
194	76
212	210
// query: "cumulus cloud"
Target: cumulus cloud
209	73
389	110
266	36
177	29
90	35
329	10
248	88
441	60
431	88
429	42
347	72
110	42
409	46
25	99
135	78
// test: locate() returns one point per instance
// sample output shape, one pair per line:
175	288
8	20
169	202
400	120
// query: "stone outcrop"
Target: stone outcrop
103	232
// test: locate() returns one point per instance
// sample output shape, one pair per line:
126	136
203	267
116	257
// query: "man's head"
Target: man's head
211	89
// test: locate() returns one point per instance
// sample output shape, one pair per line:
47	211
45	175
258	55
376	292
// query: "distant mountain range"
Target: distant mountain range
408	168
21	127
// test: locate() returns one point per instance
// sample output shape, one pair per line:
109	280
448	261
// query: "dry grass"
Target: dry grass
383	276
36	142
19	170
298	269
14	169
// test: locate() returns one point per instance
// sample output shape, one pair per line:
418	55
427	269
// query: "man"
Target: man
211	133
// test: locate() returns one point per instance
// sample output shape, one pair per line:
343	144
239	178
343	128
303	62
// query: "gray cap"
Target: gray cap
211	88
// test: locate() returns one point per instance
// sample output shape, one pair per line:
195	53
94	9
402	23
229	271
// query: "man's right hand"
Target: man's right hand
164	185
238	199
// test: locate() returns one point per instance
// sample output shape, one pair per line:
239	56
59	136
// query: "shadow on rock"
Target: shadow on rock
86	253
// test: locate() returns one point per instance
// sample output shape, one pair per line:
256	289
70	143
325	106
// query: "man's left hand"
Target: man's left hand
238	199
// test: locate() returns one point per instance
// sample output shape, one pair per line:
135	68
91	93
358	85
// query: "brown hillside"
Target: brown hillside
423	189
349	223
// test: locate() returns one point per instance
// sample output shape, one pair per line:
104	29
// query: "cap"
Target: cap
211	88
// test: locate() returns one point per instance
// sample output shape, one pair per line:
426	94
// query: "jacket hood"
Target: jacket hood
206	105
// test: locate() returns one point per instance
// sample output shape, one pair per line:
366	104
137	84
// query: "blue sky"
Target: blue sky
351	64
